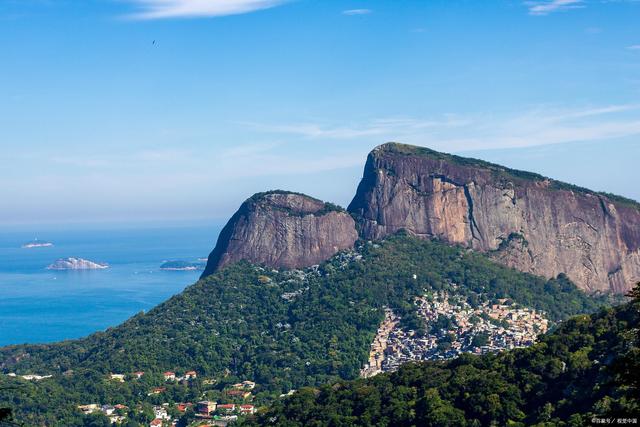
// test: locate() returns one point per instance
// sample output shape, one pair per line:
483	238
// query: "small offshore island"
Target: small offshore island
182	266
37	244
76	264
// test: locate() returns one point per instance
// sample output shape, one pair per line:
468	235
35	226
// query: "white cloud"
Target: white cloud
164	9
537	126
374	128
546	7
351	12
634	47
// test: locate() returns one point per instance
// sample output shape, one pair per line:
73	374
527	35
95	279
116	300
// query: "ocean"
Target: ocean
39	305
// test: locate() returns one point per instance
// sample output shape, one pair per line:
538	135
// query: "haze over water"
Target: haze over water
39	305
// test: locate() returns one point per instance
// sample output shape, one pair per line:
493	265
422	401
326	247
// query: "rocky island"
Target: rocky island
37	244
181	266
76	264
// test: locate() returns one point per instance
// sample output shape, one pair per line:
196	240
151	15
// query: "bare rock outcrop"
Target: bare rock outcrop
524	220
283	230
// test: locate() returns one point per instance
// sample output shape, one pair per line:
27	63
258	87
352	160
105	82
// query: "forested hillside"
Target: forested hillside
283	330
588	368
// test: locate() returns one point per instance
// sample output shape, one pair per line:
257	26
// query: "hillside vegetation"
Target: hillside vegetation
283	330
588	368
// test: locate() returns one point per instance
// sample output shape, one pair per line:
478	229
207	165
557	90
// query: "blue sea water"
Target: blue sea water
39	305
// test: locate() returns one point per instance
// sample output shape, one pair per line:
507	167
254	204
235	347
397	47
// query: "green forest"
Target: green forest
586	370
284	330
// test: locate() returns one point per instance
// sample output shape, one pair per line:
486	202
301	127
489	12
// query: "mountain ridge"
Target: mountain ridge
522	219
283	229
592	237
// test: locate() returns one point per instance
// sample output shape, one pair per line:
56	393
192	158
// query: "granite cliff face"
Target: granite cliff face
524	220
283	230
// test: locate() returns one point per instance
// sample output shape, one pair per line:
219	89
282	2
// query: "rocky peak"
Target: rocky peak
283	230
523	219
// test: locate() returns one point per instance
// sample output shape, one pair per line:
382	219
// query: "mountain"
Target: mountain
282	329
296	289
522	219
588	368
283	230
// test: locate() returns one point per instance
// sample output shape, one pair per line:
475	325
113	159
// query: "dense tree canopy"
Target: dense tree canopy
589	367
284	330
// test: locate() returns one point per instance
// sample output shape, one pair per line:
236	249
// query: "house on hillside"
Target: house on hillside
117	377
181	407
169	376
247	409
206	407
157	390
108	409
89	409
227	407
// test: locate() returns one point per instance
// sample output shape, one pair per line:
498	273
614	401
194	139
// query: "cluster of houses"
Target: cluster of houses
168	376
206	411
489	327
224	413
115	413
239	391
379	345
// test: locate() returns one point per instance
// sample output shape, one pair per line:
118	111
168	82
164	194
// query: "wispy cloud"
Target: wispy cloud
165	9
546	7
351	12
634	47
537	126
373	128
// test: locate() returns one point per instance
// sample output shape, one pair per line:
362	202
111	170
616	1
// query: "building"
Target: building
108	409
247	409
169	376
244	385
228	407
181	407
205	407
89	409
117	419
191	375
138	374
157	390
249	385
161	413
117	377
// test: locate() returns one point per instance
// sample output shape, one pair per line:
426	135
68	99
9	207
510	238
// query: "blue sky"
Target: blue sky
131	110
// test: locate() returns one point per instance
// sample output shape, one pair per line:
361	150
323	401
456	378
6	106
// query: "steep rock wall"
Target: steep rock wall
526	221
283	230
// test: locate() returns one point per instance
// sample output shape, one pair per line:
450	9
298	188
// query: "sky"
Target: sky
178	110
